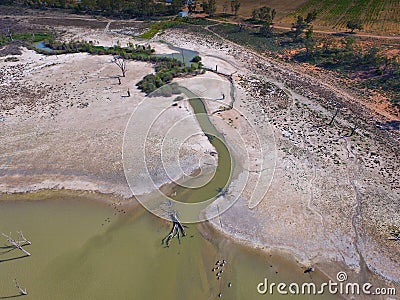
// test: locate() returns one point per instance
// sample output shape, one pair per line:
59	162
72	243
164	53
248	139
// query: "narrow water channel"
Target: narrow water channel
221	178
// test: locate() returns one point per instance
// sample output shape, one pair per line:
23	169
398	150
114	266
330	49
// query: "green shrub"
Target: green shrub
196	59
11	59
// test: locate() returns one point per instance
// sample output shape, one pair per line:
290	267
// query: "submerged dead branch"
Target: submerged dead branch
21	290
177	230
18	244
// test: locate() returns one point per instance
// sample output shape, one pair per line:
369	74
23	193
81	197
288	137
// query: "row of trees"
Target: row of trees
210	7
132	8
264	15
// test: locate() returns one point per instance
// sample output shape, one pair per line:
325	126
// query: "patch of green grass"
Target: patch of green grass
24	37
196	21
150	33
158	27
250	37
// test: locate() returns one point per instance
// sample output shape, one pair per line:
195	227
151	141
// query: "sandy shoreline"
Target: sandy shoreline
71	139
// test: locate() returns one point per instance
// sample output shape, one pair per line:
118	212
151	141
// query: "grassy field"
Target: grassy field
283	7
376	15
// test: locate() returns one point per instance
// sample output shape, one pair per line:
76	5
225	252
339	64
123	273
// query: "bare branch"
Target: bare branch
23	238
21	290
177	230
18	244
334	116
121	63
395	236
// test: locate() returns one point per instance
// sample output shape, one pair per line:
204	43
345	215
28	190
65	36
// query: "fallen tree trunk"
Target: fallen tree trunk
177	230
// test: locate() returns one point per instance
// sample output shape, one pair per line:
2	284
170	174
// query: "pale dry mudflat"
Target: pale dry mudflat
334	196
63	123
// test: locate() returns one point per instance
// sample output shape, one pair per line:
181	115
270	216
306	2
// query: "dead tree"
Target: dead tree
222	192
334	116
121	63
395	236
353	130
10	35
21	290
18	244
177	230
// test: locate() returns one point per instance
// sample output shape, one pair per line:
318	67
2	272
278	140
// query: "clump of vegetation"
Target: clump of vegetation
137	52
196	21
264	16
158	27
179	98
302	24
11	59
354	24
119	8
167	70
25	38
196	59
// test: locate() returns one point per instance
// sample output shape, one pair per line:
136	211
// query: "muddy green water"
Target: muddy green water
223	172
84	249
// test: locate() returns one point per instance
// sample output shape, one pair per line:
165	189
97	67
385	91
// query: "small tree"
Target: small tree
354	24
235	6
266	15
210	7
299	26
302	24
10	34
311	16
309	41
192	8
121	63
225	7
196	59
176	6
